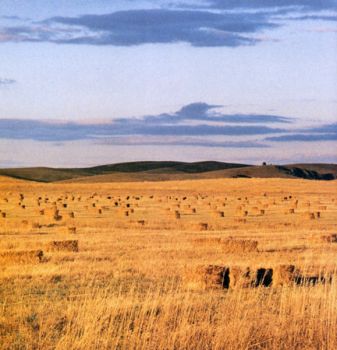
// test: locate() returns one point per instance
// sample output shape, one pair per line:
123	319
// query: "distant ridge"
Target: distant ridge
171	170
196	167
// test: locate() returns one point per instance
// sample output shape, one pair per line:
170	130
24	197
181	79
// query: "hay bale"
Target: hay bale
312	278
36	225
201	226
285	275
213	276
263	277
241	277
56	215
330	238
240	220
239	245
72	229
207	240
21	257
310	216
68	246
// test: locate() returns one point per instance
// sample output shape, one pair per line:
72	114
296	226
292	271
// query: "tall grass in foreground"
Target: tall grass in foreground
137	281
167	316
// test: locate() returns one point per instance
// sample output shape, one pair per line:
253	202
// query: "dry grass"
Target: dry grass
153	279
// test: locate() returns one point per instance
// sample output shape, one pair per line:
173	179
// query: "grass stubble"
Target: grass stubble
111	280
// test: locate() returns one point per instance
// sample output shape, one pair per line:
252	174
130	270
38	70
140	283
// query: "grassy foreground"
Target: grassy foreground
131	281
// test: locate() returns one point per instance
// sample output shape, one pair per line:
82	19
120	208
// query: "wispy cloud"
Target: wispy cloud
327	132
177	141
135	27
256	4
15	18
211	23
197	124
6	82
196	119
200	111
315	18
323	30
303	138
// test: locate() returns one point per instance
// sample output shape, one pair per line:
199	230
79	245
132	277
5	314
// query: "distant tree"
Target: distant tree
264	163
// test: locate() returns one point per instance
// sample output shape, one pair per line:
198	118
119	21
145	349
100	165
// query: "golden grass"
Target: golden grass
138	280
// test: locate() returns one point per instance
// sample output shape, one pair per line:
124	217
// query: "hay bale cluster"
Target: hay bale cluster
330	238
238	277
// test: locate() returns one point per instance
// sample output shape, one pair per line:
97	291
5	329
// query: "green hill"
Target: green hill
43	174
170	170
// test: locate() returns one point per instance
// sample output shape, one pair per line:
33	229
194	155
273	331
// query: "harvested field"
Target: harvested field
169	265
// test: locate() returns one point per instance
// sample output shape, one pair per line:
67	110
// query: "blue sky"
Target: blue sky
90	82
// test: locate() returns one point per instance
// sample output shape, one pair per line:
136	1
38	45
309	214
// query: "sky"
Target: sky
90	82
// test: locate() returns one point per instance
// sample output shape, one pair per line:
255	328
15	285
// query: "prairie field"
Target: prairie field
195	264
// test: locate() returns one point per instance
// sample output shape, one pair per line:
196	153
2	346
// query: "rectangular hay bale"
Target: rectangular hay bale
69	246
21	257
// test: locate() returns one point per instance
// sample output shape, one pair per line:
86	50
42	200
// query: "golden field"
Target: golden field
129	265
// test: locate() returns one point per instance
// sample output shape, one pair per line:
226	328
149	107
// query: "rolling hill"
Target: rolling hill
44	174
169	170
